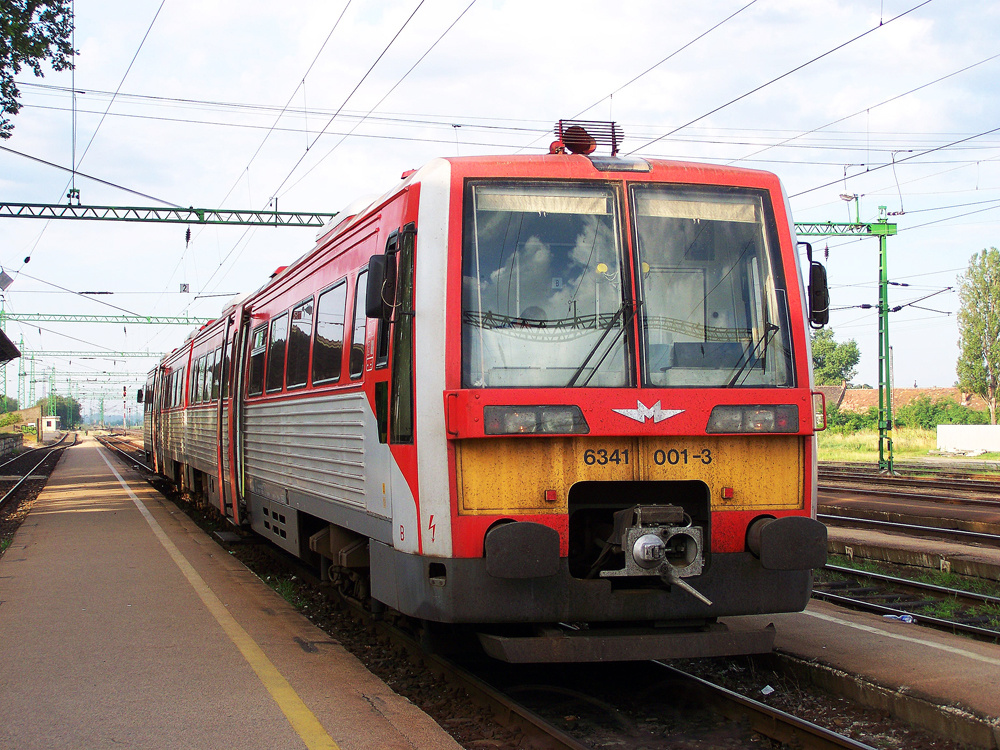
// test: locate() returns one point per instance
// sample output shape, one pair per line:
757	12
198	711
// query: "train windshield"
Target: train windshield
714	311
542	295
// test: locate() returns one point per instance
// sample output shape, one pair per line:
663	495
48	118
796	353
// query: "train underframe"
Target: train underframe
526	603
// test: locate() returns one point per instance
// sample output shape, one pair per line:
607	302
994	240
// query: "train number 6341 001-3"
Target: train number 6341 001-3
621	456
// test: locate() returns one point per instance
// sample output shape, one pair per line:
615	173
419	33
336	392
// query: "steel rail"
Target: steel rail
889	492
107	444
959	534
27	475
970	595
918	618
19	456
766	720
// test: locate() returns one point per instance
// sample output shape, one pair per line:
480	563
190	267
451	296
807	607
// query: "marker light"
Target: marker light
740	418
534	420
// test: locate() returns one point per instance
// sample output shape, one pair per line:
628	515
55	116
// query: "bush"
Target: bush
921	412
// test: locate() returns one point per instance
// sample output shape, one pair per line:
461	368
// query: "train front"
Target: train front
630	436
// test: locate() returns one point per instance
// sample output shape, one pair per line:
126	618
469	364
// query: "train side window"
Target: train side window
298	345
276	353
255	381
227	360
216	375
357	361
402	345
206	375
328	348
194	387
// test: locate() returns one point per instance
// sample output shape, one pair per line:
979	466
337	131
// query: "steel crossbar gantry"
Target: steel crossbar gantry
164	215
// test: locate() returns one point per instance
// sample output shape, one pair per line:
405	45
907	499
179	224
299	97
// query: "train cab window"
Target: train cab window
298	345
276	353
714	310
258	347
328	349
357	359
216	375
545	302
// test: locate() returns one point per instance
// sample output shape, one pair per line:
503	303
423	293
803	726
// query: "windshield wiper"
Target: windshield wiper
751	356
626	312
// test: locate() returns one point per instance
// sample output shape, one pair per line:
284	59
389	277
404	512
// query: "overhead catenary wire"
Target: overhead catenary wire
780	77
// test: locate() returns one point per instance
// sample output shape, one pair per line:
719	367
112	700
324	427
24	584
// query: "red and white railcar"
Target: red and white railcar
525	390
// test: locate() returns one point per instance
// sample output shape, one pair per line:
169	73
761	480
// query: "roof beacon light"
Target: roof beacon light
583	136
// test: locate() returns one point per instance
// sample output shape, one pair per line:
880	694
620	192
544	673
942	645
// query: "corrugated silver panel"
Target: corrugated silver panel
190	437
314	445
202	437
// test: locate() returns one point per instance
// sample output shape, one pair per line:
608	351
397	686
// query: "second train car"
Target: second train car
562	400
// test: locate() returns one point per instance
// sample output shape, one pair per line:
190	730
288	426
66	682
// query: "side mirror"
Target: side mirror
819	296
381	291
139	396
817	291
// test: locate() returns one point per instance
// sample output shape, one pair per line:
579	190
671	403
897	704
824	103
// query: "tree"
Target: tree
66	408
979	328
31	32
833	363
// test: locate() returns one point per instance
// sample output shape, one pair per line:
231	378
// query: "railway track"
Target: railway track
17	471
941	532
941	607
570	706
124	448
937	486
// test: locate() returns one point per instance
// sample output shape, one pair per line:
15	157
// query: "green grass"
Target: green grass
924	575
862	446
4	544
288	589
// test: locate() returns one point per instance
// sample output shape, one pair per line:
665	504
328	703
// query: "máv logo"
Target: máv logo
643	412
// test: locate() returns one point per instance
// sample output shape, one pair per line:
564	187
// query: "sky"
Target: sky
314	104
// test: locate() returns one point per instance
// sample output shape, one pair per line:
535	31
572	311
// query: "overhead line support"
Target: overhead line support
164	215
881	229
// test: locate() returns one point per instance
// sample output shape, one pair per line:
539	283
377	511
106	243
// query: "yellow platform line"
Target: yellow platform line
303	721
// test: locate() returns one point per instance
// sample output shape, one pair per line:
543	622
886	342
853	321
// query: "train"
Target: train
561	402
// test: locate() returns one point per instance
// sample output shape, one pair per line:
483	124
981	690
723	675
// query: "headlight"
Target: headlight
783	418
529	420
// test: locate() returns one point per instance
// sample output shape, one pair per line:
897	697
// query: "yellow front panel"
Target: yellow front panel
510	476
764	471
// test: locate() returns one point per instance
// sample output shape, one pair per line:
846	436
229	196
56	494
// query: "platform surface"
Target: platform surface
122	624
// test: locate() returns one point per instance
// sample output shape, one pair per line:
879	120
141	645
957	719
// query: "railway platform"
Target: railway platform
124	625
937	680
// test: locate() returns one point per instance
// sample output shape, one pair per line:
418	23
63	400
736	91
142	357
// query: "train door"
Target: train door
222	423
159	434
393	307
379	496
238	362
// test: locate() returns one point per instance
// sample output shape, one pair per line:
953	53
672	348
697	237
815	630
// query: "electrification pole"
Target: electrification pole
881	229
